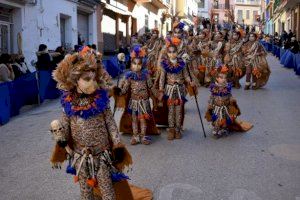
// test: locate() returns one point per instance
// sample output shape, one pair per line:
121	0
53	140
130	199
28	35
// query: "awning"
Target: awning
117	10
159	4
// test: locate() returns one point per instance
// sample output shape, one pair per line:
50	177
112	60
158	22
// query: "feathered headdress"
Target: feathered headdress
172	41
155	30
222	69
179	25
137	52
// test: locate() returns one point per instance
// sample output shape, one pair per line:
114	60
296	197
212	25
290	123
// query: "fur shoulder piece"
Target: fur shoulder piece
99	104
72	66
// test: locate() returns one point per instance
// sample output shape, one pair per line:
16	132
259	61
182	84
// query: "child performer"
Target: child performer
137	84
222	107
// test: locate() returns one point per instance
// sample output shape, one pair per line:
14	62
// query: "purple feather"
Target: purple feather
181	25
137	76
173	70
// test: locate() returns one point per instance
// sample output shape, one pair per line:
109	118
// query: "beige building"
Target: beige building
247	12
186	9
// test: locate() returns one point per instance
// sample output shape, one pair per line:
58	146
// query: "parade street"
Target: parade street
262	164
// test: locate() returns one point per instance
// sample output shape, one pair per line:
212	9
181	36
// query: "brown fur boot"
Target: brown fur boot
171	134
178	134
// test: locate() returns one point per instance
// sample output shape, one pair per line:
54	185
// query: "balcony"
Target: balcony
157	3
223	6
248	2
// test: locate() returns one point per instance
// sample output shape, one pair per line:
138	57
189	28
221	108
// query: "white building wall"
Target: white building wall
40	23
203	12
93	28
139	13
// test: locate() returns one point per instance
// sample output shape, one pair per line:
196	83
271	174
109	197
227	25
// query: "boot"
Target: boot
237	85
134	140
171	134
178	134
247	87
146	140
254	87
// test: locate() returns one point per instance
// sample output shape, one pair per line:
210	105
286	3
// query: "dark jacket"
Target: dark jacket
44	61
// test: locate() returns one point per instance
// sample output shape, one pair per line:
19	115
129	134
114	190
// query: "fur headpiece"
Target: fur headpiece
155	30
72	66
137	52
174	41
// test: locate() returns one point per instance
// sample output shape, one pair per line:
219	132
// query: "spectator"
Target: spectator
6	70
60	55
94	47
290	35
19	68
294	45
44	59
283	37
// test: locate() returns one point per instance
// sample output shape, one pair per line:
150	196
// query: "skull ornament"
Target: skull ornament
59	132
186	57
121	57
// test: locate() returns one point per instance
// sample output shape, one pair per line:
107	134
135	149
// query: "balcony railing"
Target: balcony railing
222	6
248	2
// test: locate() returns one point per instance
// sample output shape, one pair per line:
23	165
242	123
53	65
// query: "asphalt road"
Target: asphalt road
262	164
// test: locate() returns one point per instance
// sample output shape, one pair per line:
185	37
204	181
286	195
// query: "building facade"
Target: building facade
25	24
248	12
203	8
281	15
122	18
186	9
219	9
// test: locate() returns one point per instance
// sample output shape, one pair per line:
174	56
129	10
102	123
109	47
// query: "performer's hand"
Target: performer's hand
192	83
160	95
62	144
117	91
56	165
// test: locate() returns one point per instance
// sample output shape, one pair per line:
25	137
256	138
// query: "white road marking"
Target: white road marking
242	194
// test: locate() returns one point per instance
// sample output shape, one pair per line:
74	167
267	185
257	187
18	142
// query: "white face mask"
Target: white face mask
87	83
235	37
252	38
172	53
136	65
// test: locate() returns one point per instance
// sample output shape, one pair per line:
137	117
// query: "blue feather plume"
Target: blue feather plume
118	176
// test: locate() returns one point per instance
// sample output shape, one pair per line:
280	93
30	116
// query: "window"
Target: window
254	14
227	4
201	4
240	15
155	24
146	23
4	38
216	4
248	14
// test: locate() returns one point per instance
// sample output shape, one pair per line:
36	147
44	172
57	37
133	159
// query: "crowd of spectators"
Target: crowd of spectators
285	40
12	66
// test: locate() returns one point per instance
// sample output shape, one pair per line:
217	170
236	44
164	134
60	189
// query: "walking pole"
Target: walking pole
196	100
